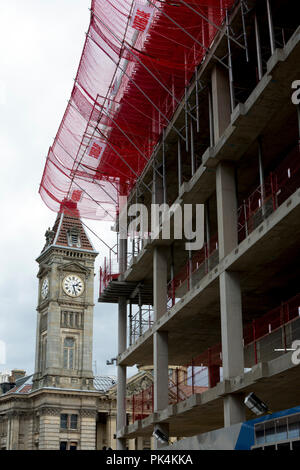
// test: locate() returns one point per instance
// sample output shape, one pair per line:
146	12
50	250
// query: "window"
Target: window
66	445
68	421
260	436
281	431
71	319
270	434
278	431
69	353
74	419
64	421
73	237
294	430
63	445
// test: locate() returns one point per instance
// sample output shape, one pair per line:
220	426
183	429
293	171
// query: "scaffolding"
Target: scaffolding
109	132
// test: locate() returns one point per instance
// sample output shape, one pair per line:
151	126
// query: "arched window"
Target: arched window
69	353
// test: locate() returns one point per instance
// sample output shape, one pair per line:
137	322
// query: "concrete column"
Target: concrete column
157	187
121	386
230	291
231	324
226	208
123	255
122	336
220	101
161	375
160	339
232	342
160	279
234	410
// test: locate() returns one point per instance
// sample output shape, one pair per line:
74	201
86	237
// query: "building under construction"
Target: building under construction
194	103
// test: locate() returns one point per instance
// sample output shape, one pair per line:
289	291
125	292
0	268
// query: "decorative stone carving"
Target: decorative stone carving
86	413
50	411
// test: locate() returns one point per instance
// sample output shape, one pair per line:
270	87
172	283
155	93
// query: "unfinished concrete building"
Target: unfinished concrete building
226	314
193	103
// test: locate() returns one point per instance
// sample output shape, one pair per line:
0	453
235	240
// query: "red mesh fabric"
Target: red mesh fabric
120	104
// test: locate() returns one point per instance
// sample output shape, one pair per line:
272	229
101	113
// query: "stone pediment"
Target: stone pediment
74	267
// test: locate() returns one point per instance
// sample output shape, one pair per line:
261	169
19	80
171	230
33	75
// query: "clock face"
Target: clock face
45	288
73	285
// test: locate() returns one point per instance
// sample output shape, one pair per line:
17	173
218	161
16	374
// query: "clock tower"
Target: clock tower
64	337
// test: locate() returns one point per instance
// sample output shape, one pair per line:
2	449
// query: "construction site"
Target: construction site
193	103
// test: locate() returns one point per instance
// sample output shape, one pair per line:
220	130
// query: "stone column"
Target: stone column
111	430
87	344
88	429
13	431
37	344
49	429
53	350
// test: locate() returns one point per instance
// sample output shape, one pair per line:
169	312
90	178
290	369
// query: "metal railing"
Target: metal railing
195	269
139	321
262	337
264	200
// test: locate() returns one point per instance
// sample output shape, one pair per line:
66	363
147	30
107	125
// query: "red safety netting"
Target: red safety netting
136	63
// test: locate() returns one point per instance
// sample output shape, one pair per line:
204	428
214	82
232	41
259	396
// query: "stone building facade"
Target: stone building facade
62	406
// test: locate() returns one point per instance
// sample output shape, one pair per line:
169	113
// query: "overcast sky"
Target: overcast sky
41	44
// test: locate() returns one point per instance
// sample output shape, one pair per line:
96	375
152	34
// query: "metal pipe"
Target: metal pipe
140	313
261	174
186	105
298	114
172	262
117	153
192	150
190	270
244	30
258	49
186	32
130	324
122	43
58	166
211	119
186	121
232	97
271	27
164	168
207	227
139	88
179	165
210	22
197	100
